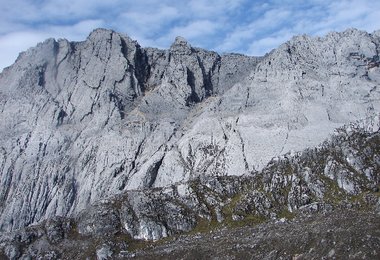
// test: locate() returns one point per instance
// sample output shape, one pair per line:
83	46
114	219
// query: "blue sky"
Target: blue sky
243	26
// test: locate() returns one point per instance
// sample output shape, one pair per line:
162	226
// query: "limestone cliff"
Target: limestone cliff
84	121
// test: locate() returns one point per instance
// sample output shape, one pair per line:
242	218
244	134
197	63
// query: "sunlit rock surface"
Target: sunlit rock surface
83	122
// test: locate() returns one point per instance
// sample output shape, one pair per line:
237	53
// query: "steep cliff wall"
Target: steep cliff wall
82	121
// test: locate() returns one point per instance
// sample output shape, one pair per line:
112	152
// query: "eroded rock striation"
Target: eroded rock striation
82	121
120	139
338	181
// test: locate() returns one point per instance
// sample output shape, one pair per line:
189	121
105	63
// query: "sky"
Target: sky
242	26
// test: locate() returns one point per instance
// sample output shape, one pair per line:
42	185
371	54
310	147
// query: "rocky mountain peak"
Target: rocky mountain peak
181	46
87	121
179	40
100	33
73	93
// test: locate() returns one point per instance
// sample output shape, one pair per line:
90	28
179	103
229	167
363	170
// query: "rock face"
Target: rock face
339	179
343	171
83	121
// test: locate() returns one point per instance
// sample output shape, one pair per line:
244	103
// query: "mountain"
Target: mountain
104	138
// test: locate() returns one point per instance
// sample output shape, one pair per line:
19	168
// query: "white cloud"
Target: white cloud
191	31
194	20
61	10
75	32
213	8
147	24
265	45
268	21
252	27
361	14
280	20
12	44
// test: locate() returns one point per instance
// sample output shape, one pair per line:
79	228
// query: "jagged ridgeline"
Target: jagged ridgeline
104	138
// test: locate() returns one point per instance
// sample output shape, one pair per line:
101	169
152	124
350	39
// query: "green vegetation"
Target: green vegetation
333	194
248	220
229	208
285	213
204	225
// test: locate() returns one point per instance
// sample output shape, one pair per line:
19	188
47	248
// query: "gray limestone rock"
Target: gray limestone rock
299	184
104	253
12	251
86	121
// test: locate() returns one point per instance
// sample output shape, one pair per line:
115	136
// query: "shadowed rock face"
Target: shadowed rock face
82	121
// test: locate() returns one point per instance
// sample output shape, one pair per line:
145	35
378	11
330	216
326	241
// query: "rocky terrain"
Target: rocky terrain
321	202
107	146
344	234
